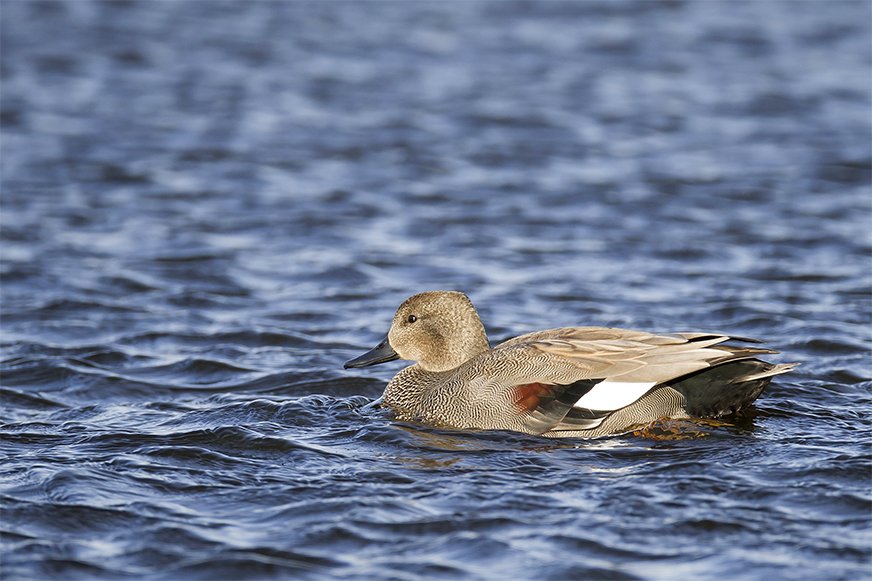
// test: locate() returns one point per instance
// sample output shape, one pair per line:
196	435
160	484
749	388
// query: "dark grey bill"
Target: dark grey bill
381	353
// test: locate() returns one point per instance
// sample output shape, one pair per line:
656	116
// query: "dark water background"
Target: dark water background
208	206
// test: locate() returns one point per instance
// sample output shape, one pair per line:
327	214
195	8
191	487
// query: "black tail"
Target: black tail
727	388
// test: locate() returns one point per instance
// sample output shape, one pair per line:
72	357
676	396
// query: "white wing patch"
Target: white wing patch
613	395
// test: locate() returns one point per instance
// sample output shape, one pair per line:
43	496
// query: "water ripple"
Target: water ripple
205	212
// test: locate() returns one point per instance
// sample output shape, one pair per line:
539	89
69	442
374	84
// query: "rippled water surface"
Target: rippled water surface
207	207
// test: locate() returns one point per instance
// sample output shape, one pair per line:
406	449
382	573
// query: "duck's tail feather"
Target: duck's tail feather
722	336
772	371
728	387
733	353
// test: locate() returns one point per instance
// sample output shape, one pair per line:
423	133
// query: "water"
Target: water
208	207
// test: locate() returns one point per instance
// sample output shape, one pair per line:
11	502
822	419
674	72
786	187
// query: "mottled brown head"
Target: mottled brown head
438	329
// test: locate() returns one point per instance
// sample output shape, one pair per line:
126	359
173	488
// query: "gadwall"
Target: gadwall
569	382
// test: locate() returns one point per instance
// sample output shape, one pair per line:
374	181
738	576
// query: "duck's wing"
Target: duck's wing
580	375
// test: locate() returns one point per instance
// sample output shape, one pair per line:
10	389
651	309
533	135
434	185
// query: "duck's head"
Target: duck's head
439	330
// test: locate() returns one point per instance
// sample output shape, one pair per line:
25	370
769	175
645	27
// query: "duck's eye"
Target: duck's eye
412	318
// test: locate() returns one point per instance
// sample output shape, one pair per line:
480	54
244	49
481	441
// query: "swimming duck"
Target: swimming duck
567	382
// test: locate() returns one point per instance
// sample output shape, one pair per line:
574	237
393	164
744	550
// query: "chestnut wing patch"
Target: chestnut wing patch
543	405
527	396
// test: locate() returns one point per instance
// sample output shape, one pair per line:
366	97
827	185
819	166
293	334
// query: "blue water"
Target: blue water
208	206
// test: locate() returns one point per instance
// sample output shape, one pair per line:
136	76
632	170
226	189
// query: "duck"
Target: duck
579	382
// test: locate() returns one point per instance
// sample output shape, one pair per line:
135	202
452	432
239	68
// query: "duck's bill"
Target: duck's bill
380	354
